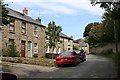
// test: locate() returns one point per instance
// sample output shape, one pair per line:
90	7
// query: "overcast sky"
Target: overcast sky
72	15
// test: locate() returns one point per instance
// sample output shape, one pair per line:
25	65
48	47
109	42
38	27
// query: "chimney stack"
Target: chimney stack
38	20
25	11
71	37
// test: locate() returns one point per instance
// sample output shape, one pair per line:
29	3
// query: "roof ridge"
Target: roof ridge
19	15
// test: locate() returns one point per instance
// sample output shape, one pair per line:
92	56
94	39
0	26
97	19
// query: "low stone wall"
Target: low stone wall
49	55
105	48
33	61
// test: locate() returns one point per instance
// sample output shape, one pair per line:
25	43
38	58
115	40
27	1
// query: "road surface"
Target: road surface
94	67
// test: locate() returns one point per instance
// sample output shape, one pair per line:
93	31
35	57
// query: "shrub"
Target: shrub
10	51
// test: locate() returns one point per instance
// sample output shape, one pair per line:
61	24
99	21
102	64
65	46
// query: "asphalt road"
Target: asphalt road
94	67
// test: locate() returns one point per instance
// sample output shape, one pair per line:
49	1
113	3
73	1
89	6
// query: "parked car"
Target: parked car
81	54
67	58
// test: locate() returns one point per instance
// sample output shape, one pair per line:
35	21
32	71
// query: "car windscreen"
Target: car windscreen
77	52
65	54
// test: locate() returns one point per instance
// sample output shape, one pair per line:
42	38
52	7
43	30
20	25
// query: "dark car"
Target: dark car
67	58
81	54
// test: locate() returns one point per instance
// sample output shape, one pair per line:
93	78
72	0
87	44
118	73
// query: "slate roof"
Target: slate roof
21	16
62	35
83	44
65	36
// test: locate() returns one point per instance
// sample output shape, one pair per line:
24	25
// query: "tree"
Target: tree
95	33
53	35
112	13
3	13
88	28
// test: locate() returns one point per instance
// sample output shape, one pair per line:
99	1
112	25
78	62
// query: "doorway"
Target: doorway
29	50
23	48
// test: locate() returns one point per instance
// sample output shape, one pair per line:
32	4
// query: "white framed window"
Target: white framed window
23	28
47	49
10	43
36	31
12	24
59	50
35	48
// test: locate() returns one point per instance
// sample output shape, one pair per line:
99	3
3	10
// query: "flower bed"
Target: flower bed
34	61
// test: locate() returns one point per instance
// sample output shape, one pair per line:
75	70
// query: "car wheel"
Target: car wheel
79	61
58	65
75	63
84	59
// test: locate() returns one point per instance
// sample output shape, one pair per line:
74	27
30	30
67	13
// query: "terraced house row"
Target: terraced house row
29	35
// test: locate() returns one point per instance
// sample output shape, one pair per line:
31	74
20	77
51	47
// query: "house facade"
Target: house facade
65	44
75	45
81	44
85	47
27	34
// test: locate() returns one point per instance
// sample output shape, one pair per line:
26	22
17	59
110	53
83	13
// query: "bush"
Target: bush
10	51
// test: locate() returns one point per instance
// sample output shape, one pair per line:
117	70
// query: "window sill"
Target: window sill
35	36
12	32
24	34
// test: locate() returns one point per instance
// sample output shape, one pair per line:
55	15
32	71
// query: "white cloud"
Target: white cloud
69	7
83	4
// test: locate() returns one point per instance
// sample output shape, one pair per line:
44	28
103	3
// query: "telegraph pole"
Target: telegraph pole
115	36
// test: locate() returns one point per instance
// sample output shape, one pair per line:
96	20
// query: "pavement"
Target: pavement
23	69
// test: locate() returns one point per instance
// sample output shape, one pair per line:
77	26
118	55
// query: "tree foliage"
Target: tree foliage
3	13
105	31
95	33
88	28
10	51
53	34
112	13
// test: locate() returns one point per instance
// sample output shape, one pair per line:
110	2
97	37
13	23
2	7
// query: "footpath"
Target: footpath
23	69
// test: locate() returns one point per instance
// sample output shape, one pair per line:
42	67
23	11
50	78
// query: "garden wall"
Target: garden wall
105	48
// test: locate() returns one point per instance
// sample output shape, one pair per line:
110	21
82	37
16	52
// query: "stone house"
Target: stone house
81	44
75	45
27	33
85	47
65	44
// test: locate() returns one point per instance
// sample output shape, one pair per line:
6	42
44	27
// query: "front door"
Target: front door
23	48
29	50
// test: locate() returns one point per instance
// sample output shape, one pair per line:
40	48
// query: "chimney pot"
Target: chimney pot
38	20
71	37
25	11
